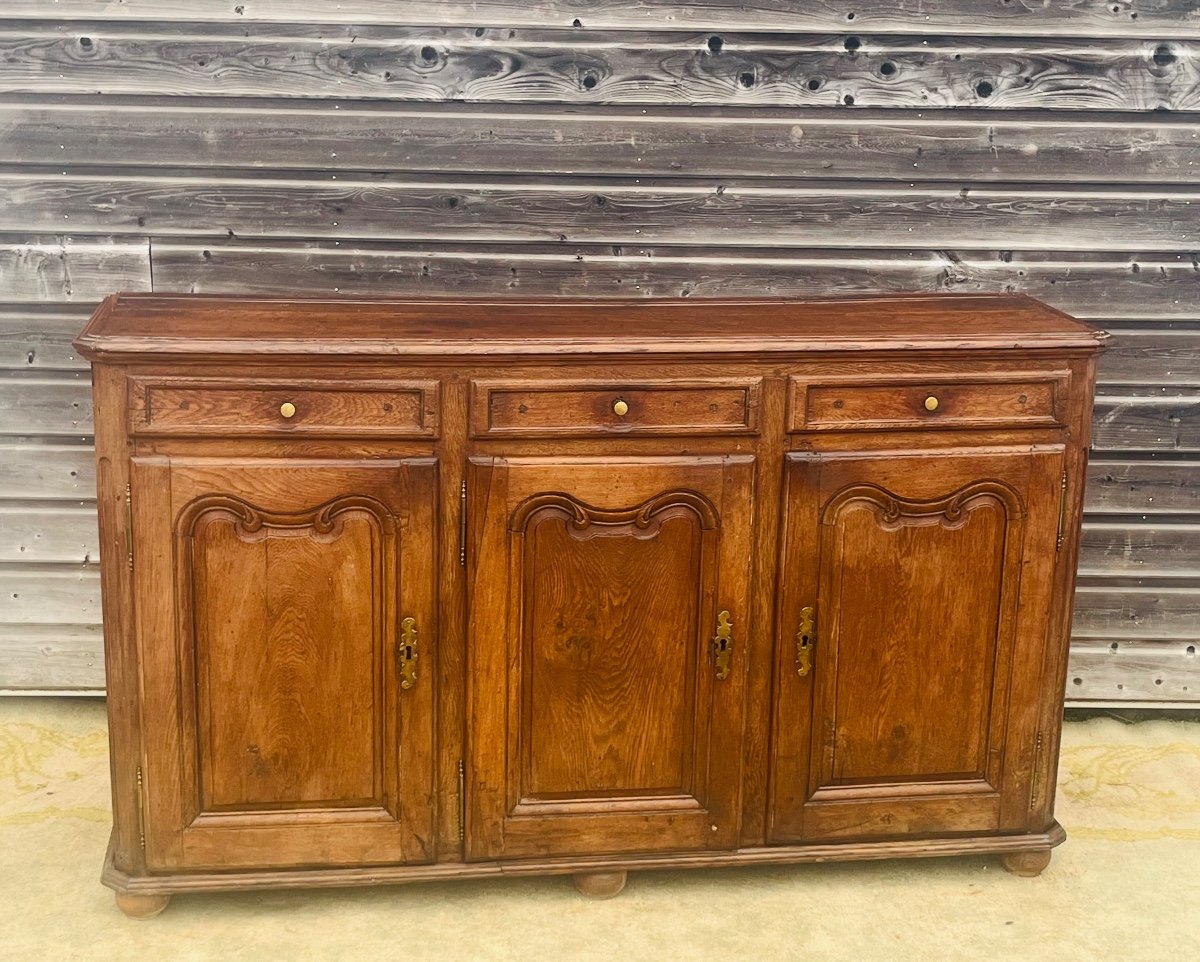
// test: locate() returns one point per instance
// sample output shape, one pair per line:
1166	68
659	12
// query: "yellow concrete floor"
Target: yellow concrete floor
1125	886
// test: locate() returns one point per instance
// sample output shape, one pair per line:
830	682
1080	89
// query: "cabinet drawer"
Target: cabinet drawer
205	406
581	409
901	402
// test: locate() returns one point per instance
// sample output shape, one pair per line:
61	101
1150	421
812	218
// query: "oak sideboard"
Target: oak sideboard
444	588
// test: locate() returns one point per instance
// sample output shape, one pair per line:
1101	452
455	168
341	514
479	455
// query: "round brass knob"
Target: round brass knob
620	407
287	409
931	403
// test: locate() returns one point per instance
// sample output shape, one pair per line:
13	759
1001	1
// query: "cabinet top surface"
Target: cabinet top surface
217	325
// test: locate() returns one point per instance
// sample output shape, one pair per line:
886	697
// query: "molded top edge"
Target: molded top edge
223	325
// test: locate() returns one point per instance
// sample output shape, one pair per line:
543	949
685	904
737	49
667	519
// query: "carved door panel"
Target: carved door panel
915	594
284	721
608	603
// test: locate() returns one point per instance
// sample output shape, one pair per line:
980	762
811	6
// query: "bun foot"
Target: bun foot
599	885
1026	864
141	906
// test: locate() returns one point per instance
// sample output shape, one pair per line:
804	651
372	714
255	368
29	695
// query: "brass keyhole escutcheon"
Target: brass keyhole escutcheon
287	409
620	407
805	637
931	403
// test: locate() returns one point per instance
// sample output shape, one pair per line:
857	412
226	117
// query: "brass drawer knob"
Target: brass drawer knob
620	407
287	409
931	403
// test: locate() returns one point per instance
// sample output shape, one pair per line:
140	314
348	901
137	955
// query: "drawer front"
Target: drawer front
209	406
867	403
578	409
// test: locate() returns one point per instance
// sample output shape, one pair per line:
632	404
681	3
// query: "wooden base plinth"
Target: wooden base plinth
1026	864
600	885
144	896
141	906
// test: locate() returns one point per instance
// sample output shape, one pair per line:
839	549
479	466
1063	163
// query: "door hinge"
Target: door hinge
1036	789
462	523
1062	512
129	526
140	790
462	800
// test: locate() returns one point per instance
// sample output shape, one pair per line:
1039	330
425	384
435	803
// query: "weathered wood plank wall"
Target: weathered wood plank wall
612	147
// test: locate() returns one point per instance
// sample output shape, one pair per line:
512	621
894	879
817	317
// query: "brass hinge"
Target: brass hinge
129	526
1062	512
1036	790
462	523
141	809
462	800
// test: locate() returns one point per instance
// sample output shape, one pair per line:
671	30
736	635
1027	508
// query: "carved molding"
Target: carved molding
250	520
954	508
583	516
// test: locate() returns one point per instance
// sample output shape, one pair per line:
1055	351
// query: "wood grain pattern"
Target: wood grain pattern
1102	670
1142	487
782	214
31	468
1145	355
249	407
978	146
50	270
40	340
571	66
605	577
1082	283
291	712
71	657
1085	17
564	409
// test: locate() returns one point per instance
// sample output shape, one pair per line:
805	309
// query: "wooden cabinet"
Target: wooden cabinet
428	589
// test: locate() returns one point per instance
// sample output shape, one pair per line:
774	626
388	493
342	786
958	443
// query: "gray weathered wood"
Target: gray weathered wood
1176	18
781	214
35	468
1085	283
49	595
50	657
1148	419
1143	487
1090	17
1133	671
1116	612
975	145
34	533
584	67
46	405
1149	356
40	340
1167	550
55	269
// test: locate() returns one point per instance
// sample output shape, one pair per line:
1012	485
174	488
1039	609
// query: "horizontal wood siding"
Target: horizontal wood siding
611	148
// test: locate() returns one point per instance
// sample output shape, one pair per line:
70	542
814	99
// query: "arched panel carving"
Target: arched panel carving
586	520
951	511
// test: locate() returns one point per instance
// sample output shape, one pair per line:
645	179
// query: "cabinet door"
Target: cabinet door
283	723
915	593
603	716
